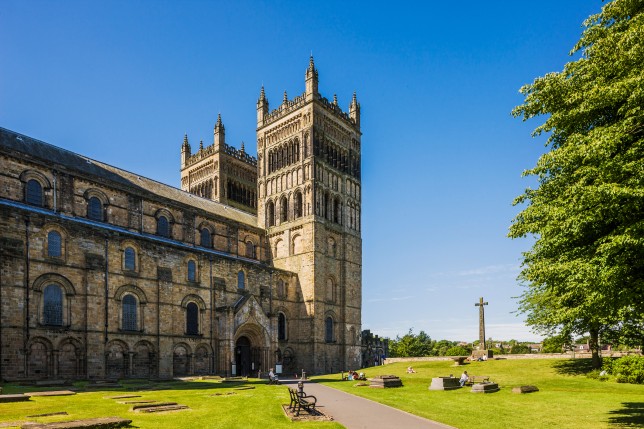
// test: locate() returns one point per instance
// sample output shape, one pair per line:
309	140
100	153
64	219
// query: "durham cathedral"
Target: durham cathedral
255	263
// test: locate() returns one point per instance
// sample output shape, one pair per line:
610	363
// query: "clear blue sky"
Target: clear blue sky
122	81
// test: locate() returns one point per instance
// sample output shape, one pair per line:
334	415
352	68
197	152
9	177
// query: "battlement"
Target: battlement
228	150
335	109
289	106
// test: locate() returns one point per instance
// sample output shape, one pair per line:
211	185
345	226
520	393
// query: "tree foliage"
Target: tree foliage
412	345
585	270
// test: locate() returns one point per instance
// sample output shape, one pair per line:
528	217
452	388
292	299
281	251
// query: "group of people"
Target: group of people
353	375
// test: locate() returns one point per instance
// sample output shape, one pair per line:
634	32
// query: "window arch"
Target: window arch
129	259
328	329
54	244
33	193
281	326
192	319
192	271
250	249
206	239
95	209
241	280
283	209
129	307
297	207
163	226
53	305
270	213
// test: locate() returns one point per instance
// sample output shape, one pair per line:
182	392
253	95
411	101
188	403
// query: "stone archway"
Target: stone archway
38	360
243	356
116	356
181	360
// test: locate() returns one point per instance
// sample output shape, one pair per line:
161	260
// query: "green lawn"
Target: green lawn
253	408
567	398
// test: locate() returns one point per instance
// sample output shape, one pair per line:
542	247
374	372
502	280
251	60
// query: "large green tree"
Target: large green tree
585	271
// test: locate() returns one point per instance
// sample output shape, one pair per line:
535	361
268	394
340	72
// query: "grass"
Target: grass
252	408
567	398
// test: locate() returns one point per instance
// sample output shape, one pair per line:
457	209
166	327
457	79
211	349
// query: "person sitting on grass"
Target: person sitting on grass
464	378
410	370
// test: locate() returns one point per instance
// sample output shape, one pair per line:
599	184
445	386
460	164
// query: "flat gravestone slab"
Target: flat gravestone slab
50	383
485	387
14	398
444	383
383	381
122	396
157	404
58	413
176	407
99	423
525	389
51	393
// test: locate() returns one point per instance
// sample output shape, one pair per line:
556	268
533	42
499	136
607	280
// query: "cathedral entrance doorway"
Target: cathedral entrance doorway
243	356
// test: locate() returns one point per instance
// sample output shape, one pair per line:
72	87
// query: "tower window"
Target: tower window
250	250
328	324
95	209
33	193
270	213
283	209
54	244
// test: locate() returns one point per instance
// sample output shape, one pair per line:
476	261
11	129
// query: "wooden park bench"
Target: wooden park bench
299	402
473	379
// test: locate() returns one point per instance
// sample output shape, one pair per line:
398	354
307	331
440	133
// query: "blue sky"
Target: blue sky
122	81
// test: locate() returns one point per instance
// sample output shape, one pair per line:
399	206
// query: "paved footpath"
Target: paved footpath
354	412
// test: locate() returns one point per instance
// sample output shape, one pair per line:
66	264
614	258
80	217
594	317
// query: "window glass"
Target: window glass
205	238
250	249
54	244
240	280
129	313
162	227
192	319
130	259
281	327
95	209
34	193
53	305
192	271
329	329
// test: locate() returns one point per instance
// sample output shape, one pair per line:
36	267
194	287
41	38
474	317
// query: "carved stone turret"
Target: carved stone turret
220	134
262	107
311	81
185	150
354	110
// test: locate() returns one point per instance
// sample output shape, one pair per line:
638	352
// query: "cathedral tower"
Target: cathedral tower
309	201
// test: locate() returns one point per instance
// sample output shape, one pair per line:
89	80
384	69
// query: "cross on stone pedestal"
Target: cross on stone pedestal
480	304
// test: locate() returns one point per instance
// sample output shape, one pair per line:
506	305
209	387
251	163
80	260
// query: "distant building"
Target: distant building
256	261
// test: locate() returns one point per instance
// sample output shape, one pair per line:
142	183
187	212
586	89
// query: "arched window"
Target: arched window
270	213
192	319
250	250
328	324
163	228
33	194
130	322
192	271
205	238
241	282
297	209
283	209
53	305
281	326
337	210
54	244
130	259
95	209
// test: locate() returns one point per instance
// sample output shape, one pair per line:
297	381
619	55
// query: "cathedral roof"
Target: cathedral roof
57	157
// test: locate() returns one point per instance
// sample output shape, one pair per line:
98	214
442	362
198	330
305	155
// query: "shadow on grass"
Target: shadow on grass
630	415
573	366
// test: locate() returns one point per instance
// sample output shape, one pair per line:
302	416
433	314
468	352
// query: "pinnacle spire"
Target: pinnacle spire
335	99
311	63
201	145
242	146
285	97
262	95
354	100
185	139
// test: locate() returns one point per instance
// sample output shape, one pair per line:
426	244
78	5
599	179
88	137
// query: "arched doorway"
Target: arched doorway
243	356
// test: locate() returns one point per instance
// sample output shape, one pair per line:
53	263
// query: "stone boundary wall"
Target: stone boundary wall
509	356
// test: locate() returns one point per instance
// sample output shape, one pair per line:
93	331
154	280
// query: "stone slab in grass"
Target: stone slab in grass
176	407
136	402
99	386
57	413
315	415
245	388
19	397
51	383
156	404
98	423
122	397
525	389
445	383
485	387
383	381
52	393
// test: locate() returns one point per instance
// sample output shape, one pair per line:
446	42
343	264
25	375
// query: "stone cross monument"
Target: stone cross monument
480	304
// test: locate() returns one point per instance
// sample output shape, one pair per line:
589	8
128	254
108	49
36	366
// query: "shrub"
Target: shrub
597	374
627	369
457	351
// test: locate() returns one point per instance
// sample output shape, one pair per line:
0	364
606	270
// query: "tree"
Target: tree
556	344
585	273
411	345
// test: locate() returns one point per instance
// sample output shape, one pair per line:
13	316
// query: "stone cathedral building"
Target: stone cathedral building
255	262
